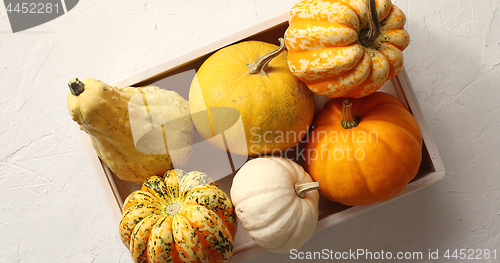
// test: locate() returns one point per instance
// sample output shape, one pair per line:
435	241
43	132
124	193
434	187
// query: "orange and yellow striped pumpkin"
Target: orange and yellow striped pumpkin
182	217
330	50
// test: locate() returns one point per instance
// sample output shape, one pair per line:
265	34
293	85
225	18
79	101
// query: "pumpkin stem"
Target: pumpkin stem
349	121
302	189
368	36
260	65
172	209
76	86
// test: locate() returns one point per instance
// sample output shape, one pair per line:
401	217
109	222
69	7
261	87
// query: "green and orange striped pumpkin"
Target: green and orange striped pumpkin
182	217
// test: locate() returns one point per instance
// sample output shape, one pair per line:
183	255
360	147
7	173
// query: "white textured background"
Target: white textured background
54	209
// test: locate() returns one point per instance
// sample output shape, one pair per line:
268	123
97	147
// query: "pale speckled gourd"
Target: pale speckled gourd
160	136
346	48
276	201
181	217
252	77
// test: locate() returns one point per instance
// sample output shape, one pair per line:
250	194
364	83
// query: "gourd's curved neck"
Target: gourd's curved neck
368	36
349	121
76	87
302	189
259	67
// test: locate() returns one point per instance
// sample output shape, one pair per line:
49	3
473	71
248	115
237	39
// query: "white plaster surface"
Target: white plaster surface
53	208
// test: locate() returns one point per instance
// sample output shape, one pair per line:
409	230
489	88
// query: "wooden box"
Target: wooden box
174	75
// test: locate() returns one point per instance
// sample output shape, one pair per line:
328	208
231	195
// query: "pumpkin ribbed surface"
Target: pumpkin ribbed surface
268	206
326	50
183	217
371	162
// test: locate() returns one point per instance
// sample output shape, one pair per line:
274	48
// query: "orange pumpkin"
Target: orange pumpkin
363	150
345	48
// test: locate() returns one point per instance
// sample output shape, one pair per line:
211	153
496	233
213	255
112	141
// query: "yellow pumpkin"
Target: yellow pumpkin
363	150
182	217
251	77
346	48
136	131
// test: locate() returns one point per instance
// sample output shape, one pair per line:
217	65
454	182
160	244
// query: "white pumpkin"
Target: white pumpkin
265	193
